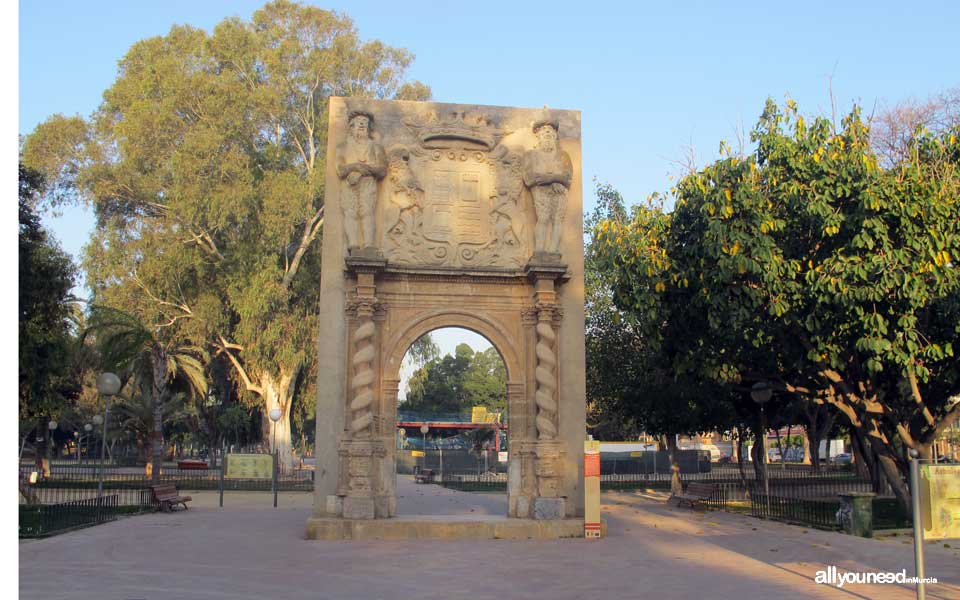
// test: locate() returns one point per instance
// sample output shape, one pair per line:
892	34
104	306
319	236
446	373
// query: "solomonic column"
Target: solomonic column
362	451
548	449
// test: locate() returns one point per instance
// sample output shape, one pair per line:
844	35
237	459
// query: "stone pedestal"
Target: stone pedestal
549	504
856	513
361	487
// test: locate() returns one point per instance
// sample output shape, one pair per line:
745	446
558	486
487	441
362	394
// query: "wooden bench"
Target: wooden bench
166	496
424	476
696	493
192	465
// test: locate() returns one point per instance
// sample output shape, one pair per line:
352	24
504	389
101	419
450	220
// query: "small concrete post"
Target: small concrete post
856	513
591	488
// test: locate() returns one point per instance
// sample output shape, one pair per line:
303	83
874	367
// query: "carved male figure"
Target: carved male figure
547	171
361	164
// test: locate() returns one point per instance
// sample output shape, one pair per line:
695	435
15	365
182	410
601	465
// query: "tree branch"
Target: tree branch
225	347
915	392
310	230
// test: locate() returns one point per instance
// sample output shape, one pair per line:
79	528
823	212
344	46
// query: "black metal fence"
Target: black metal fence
814	512
65	480
41	520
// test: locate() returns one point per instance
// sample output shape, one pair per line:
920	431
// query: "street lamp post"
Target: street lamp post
87	428
108	384
423	430
761	393
51	427
275	414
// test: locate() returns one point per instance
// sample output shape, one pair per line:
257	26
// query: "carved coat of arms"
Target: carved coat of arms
454	196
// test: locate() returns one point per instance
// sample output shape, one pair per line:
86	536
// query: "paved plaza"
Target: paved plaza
249	549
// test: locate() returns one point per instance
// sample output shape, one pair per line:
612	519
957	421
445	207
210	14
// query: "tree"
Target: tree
205	165
454	384
485	381
895	131
161	367
809	265
45	312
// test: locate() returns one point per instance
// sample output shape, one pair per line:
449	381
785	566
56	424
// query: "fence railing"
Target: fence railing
39	520
814	512
66	478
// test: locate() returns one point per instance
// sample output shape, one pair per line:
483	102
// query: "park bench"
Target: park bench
424	476
696	493
166	496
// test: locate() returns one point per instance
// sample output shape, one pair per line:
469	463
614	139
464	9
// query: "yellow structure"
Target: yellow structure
940	501
249	466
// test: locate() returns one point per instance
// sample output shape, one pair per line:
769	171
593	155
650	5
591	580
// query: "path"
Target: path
249	550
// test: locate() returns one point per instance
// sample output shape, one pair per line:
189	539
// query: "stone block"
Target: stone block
359	508
549	508
382	506
523	507
334	505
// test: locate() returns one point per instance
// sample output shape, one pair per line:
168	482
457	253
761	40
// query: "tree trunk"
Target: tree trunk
159	392
278	393
862	459
740	466
676	485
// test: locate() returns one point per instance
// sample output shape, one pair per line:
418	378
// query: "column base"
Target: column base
549	508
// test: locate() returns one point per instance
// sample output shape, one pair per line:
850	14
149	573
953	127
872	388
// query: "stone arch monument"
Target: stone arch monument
444	215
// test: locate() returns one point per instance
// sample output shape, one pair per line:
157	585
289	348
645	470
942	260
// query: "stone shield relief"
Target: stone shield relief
453	197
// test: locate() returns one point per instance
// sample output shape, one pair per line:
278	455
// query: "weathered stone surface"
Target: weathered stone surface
359	508
459	239
549	508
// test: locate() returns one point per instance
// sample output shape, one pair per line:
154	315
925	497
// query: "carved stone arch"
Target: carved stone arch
433	221
485	325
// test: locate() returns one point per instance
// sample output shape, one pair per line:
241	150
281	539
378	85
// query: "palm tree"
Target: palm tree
155	363
135	413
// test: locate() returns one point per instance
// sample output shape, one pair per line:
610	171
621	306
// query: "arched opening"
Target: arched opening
452	435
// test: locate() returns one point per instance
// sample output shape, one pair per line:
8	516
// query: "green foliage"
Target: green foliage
205	165
423	350
633	382
454	384
809	265
45	310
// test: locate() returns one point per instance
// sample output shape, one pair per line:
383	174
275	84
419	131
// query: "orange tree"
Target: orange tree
808	265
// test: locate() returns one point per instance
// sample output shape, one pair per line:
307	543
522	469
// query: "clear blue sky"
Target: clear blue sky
651	79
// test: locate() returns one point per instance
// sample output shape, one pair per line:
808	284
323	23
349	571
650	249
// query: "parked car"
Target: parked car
843	459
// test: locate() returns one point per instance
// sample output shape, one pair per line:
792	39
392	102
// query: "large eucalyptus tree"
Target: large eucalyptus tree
205	165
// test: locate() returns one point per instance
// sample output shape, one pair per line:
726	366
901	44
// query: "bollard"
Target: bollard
591	488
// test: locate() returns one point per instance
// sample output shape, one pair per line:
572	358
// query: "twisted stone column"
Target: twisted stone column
361	414
546	377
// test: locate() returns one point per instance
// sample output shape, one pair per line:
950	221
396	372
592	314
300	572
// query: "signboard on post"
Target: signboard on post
940	501
591	489
249	466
